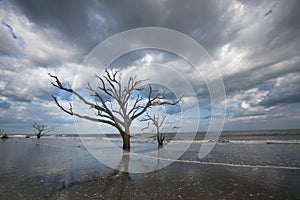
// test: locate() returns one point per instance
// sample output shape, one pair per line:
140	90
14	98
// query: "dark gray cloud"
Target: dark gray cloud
281	97
80	23
258	75
285	92
86	24
250	49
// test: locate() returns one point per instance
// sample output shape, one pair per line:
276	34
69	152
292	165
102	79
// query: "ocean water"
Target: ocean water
265	149
242	165
271	148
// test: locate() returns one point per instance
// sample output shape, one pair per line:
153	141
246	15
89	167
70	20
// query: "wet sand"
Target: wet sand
61	168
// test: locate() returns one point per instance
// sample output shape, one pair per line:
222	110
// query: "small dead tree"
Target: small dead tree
41	130
3	135
158	122
130	105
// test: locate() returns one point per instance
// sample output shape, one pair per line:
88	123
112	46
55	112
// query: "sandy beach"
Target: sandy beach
61	168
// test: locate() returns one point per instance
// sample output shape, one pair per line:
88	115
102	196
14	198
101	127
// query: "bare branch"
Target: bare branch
157	122
41	129
157	100
162	121
148	125
70	112
2	131
103	107
58	84
125	111
3	135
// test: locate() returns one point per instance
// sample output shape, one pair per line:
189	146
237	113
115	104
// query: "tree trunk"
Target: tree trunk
126	142
160	140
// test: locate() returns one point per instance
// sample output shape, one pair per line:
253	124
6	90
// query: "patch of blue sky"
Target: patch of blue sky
265	87
173	109
4	105
64	95
135	95
194	113
205	114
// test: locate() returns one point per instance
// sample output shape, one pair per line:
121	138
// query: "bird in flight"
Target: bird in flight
270	11
176	127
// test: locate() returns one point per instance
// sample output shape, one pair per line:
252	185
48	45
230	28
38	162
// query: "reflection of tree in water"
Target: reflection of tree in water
117	183
113	186
123	165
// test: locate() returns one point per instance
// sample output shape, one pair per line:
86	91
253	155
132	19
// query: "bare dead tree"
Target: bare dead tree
3	135
41	130
158	122
130	105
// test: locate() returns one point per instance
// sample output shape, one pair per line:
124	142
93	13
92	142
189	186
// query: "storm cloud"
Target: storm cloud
258	55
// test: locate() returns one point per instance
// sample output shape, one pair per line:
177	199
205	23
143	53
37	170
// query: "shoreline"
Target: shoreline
56	168
266	132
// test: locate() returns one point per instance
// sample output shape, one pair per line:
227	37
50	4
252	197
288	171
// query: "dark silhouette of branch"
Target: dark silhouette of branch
3	135
129	105
41	130
157	121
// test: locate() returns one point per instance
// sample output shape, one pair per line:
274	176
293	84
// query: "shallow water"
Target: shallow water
61	168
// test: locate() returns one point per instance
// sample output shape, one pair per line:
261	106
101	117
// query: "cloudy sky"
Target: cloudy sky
254	44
